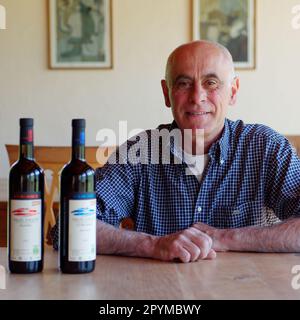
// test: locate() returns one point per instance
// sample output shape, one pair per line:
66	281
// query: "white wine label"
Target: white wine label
26	230
82	230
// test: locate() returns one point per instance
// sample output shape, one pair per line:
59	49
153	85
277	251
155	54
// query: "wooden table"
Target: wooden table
230	276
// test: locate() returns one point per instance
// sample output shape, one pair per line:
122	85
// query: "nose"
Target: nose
198	94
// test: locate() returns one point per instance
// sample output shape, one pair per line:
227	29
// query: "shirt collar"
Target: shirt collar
174	150
218	151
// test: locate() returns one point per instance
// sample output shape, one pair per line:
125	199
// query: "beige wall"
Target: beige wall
144	32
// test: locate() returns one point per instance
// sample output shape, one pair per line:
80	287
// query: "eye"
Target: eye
183	84
211	84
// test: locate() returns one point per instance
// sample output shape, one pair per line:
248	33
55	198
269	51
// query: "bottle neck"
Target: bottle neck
78	144
26	149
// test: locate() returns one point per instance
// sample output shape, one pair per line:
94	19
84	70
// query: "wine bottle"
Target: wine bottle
26	207
77	221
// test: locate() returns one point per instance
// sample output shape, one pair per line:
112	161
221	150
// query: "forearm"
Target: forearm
282	237
111	240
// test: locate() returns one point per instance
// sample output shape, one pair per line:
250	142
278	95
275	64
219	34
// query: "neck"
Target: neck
199	142
78	152
78	144
26	143
26	151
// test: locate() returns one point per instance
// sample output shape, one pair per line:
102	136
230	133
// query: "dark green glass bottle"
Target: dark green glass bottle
26	207
77	235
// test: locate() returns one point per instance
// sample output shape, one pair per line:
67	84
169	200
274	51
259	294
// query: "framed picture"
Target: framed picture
80	34
230	23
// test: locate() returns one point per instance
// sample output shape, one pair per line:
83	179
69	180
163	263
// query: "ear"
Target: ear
234	90
165	90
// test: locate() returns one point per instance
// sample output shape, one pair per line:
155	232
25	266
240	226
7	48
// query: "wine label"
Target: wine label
26	229
82	229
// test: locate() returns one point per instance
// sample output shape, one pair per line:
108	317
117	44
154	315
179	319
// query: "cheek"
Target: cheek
219	99
178	98
214	98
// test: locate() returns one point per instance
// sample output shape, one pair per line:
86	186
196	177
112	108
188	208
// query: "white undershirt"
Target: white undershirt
196	163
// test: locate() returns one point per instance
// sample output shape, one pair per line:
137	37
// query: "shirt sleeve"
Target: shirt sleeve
116	192
283	179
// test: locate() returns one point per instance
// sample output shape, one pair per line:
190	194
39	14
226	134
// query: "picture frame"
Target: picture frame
230	23
80	34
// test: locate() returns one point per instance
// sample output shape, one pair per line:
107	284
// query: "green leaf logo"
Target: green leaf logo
36	250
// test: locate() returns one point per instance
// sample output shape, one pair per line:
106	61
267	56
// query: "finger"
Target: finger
183	245
202	241
202	227
194	251
183	255
197	247
199	234
211	255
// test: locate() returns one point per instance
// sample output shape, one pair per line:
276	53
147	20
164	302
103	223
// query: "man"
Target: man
244	197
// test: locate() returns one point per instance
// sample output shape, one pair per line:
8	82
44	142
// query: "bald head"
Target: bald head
200	49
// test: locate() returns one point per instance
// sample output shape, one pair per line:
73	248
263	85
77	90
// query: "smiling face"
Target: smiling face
199	87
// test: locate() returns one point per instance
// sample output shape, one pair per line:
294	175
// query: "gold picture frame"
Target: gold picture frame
230	23
80	34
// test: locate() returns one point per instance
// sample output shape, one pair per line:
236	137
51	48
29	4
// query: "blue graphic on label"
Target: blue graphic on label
82	227
83	212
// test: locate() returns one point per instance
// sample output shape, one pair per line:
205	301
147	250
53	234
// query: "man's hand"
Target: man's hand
188	245
280	237
215	234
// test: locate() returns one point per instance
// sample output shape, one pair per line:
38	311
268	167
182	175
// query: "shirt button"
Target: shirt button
221	161
199	209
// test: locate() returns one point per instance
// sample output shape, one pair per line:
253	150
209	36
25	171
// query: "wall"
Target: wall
144	32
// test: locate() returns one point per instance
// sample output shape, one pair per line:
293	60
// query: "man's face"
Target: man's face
200	88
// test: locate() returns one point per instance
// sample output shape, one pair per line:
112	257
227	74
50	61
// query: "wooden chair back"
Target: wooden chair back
295	141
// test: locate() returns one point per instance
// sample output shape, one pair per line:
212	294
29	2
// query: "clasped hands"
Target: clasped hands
200	241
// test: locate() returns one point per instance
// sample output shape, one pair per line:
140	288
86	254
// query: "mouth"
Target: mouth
194	114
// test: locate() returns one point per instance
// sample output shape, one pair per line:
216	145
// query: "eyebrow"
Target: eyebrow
181	77
206	76
211	75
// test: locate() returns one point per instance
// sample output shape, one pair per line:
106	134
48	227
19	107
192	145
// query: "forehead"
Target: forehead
199	62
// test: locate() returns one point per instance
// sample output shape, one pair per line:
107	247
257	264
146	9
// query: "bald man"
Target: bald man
228	186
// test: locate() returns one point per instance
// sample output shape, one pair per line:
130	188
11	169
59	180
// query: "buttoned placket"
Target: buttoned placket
200	211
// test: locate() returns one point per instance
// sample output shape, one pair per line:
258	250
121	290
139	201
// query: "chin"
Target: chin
195	126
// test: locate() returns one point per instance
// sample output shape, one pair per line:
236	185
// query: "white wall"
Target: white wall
144	32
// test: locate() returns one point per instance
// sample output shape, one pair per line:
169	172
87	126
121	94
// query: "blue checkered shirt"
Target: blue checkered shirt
252	178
